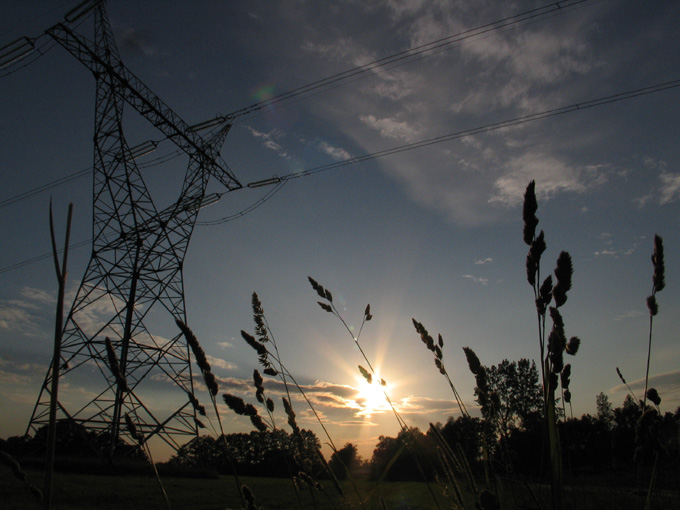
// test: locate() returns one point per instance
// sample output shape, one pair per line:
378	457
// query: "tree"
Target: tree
344	461
605	413
518	393
625	419
466	432
402	458
271	453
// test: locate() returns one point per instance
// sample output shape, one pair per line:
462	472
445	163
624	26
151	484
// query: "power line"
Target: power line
280	181
286	97
42	257
622	96
412	52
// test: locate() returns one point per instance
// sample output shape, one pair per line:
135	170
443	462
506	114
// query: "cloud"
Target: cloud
630	314
552	176
14	378
476	279
670	187
225	344
23	314
336	153
15	319
665	383
610	251
391	128
221	363
480	262
268	141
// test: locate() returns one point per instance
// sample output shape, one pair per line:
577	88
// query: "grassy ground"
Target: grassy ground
83	491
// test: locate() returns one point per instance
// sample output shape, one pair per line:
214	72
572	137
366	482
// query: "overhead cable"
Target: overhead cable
411	52
622	96
280	181
544	10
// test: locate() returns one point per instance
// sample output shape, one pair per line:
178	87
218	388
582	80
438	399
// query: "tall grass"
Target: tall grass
60	270
554	345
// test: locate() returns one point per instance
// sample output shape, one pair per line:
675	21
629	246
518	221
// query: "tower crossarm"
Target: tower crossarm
187	205
150	106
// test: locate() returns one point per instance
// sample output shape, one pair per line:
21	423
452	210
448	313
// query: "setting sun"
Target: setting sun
371	397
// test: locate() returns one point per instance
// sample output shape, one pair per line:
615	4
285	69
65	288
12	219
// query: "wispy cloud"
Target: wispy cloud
480	262
610	250
630	314
337	153
552	175
665	383
670	187
476	279
269	142
221	363
392	128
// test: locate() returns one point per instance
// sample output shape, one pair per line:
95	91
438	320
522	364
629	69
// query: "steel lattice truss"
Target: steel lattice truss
136	263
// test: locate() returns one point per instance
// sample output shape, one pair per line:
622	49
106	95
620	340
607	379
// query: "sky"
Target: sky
433	233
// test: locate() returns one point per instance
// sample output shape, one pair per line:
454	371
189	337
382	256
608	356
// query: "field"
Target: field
103	492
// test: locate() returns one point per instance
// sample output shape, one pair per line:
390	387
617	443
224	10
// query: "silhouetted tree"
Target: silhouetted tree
467	432
516	384
272	453
344	461
625	420
406	457
605	413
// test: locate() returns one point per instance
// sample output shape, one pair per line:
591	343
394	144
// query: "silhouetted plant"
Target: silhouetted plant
555	344
213	389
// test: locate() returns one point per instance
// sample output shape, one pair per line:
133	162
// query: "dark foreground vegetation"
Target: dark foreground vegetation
112	492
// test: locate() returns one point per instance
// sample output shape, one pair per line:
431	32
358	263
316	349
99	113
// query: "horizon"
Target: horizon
433	233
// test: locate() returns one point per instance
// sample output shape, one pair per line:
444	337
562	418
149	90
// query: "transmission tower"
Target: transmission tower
134	276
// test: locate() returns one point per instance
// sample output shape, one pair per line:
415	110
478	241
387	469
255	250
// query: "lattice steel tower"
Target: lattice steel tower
135	270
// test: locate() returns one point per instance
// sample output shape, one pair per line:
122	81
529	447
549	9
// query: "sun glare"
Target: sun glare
371	397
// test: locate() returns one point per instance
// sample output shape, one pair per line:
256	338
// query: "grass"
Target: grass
104	492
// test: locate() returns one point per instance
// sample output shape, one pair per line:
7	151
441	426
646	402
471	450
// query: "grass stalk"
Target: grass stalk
56	355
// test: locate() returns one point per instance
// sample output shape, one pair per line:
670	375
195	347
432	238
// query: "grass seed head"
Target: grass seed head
529	213
563	274
325	306
572	345
652	305
620	375
473	360
196	348
258	423
235	403
565	375
658	262
653	396
258	346
366	374
211	382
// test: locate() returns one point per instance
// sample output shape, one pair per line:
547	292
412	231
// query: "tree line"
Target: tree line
510	433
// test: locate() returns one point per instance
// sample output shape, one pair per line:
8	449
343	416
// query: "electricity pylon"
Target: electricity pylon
135	272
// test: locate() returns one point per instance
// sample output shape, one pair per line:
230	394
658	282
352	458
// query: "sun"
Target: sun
371	397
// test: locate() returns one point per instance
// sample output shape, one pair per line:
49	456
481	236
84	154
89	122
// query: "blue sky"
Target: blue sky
432	233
